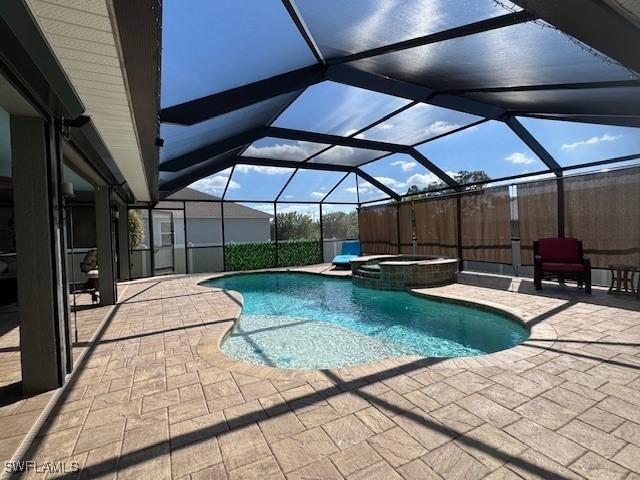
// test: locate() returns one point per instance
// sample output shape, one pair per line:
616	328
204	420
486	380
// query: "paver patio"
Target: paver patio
148	402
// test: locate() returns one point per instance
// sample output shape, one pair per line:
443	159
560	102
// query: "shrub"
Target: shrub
253	256
136	229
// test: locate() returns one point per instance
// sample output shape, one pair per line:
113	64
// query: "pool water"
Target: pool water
302	321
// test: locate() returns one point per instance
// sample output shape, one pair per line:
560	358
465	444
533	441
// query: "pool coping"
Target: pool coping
208	348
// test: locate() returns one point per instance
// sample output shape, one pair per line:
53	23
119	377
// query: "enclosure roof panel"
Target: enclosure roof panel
210	46
307	86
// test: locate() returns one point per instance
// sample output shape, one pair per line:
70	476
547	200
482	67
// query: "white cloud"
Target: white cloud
284	151
310	210
288	197
422	181
592	141
263	207
439	127
318	194
405	166
519	158
214	185
263	169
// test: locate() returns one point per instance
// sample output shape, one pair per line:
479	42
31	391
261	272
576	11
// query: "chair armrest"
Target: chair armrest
587	263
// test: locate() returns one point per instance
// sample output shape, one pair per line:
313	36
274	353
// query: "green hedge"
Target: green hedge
253	256
299	252
249	256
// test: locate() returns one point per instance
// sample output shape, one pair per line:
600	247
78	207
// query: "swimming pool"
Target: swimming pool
303	321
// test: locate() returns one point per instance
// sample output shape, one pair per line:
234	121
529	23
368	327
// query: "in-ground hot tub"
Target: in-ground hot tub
398	272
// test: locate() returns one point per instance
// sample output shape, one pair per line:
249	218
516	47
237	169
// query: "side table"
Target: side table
623	278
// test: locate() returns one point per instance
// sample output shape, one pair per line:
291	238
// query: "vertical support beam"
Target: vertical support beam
224	261
106	247
67	341
186	237
398	224
123	242
560	183
275	230
459	230
39	254
152	252
321	235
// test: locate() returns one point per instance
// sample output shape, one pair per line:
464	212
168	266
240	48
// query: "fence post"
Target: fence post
560	184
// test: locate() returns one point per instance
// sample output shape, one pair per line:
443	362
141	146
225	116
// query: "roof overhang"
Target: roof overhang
89	45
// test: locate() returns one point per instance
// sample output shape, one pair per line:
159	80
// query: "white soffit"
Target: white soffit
81	35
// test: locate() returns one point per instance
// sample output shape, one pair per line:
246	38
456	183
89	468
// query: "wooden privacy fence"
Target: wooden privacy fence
484	224
601	209
436	226
378	228
537	215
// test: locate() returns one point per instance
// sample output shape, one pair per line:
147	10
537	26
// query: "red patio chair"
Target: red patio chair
560	258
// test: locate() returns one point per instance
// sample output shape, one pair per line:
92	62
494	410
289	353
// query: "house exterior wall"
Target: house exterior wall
243	230
208	231
204	232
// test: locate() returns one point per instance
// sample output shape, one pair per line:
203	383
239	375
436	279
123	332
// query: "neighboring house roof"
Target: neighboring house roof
201	208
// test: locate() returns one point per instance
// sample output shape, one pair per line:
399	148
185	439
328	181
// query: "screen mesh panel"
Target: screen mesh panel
256	182
524	54
436	224
206	48
572	143
592	101
399	172
283	149
537	215
378	229
345	191
417	124
214	184
491	147
486	226
311	185
369	192
204	236
179	139
603	210
337	109
347	156
341	27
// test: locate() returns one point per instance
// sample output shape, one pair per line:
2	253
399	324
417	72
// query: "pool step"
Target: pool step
362	273
371	268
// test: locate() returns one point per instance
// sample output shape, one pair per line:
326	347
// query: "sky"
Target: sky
213	46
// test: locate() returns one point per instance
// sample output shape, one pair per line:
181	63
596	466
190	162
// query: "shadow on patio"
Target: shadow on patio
423	424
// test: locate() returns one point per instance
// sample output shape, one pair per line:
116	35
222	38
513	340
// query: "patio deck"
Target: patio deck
19	412
146	404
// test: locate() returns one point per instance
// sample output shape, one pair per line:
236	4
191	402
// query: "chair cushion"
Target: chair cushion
562	267
559	250
350	248
343	259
